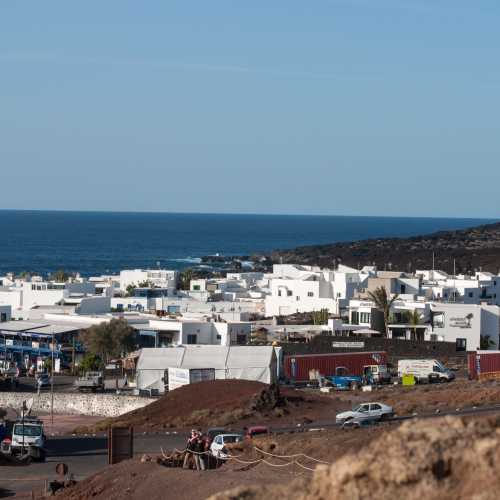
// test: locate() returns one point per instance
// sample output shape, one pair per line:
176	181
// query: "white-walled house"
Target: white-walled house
190	331
465	324
161	278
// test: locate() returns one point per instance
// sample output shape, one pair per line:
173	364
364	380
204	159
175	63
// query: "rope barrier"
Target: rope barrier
304	467
237	458
292	456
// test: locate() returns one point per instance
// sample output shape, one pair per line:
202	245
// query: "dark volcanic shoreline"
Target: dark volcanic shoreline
472	249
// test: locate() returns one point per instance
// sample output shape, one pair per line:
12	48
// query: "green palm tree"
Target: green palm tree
383	303
414	319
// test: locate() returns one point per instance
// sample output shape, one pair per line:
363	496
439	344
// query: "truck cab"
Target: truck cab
28	437
376	374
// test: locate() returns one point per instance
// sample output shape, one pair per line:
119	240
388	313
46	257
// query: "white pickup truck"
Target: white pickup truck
425	370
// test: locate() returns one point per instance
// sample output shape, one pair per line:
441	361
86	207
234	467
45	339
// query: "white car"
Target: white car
366	411
218	446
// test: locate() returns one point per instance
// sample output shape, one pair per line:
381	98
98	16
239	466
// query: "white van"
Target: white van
425	370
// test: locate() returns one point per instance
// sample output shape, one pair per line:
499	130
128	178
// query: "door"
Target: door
375	410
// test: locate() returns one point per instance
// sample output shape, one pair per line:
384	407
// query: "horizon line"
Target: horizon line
263	214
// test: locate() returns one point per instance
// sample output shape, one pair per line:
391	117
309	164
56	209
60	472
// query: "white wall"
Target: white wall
161	278
94	305
467	321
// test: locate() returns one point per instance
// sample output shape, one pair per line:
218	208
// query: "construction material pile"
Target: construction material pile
443	459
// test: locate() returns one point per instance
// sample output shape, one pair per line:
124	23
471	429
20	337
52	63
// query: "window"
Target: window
279	293
218	337
471	294
3	317
403	289
192	339
364	317
461	344
375	407
297	298
355	318
196	288
289	293
241	339
310	294
438	320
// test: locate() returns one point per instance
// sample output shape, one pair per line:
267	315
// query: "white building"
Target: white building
160	278
191	331
465	324
295	288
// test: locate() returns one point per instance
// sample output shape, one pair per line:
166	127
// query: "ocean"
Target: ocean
94	243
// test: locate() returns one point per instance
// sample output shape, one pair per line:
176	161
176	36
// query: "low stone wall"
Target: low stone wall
100	405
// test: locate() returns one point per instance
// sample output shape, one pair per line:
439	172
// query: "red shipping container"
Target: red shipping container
297	367
483	364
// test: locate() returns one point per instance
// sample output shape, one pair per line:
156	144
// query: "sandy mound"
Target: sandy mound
432	459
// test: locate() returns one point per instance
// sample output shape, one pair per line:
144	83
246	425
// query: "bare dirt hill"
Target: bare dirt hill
219	403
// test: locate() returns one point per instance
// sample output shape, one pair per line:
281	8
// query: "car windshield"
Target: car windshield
29	430
360	408
232	439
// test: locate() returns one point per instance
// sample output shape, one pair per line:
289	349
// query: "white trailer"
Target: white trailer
425	370
178	377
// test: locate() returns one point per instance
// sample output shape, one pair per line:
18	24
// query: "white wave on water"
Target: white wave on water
191	260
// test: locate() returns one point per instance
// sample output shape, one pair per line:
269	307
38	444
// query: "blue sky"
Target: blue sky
362	107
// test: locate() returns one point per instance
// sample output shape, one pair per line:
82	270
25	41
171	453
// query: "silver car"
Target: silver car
366	411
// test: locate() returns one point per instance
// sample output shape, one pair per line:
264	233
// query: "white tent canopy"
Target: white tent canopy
229	362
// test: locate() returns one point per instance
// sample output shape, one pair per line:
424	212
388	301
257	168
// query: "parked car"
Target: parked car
256	431
366	411
218	446
215	431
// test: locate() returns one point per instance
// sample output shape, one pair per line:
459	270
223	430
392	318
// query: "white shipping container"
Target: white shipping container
178	377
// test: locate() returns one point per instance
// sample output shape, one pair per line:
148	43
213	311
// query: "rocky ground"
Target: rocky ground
445	459
473	248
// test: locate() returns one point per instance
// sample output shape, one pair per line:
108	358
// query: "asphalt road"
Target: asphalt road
62	383
83	455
